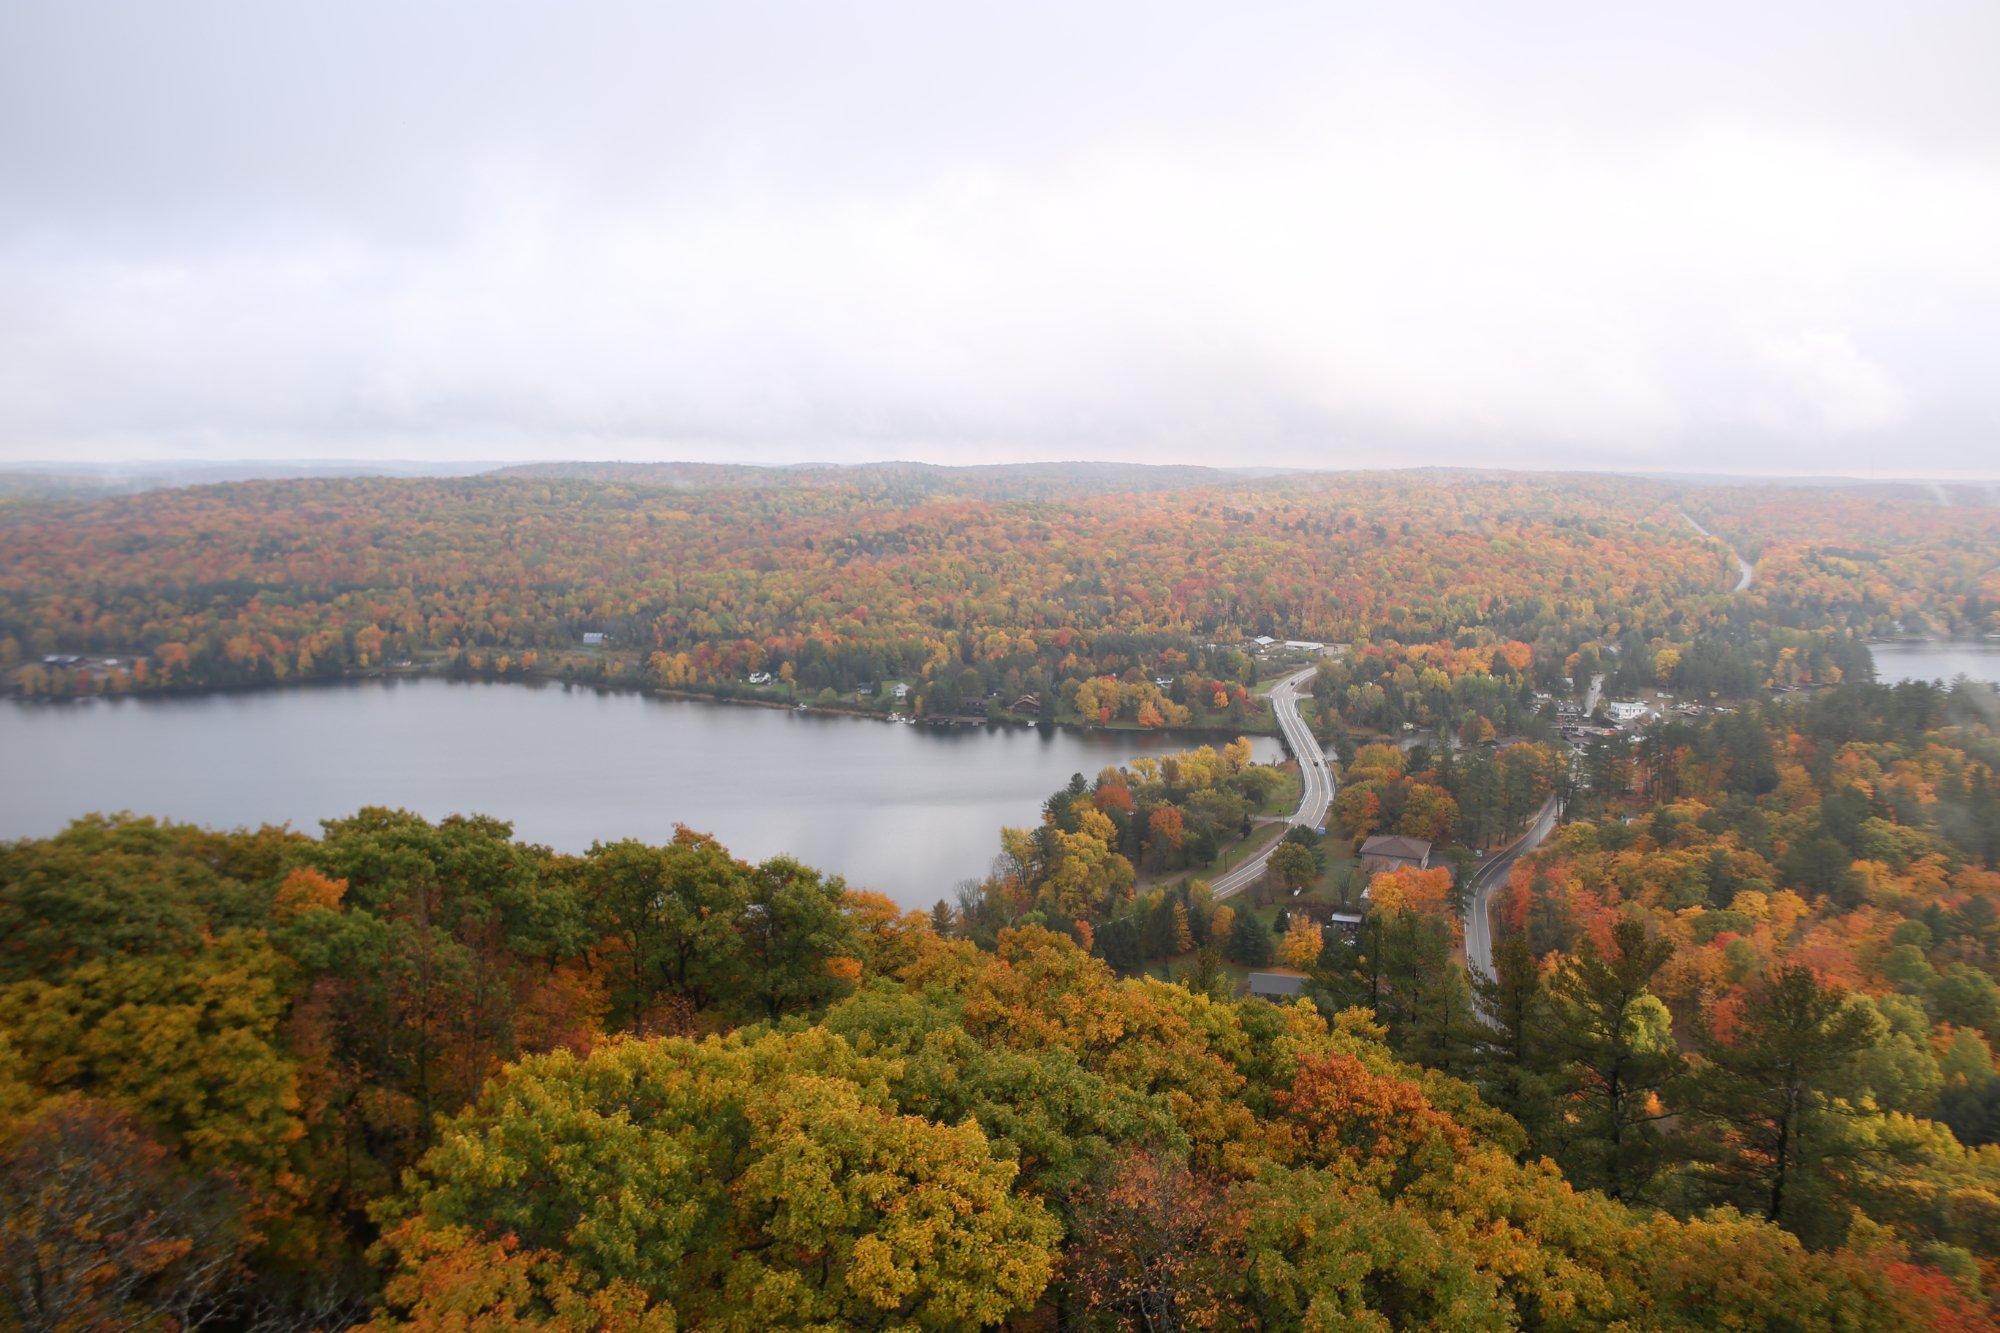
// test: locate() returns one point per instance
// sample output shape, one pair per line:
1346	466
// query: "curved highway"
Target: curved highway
1745	571
1315	772
1479	897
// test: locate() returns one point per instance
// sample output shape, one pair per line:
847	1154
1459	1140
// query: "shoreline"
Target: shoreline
390	675
1927	641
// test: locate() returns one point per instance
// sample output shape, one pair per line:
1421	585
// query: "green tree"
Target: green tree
1769	1088
793	927
1294	865
1249	941
1510	1037
1421	995
1614	1041
668	918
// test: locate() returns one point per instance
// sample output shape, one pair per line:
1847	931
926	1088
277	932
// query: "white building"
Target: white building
1626	710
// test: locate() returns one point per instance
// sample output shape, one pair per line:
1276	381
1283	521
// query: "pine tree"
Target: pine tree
1616	1042
1509	1038
1769	1090
1249	941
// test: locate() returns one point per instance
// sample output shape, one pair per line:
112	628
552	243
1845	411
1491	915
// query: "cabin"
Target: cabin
1277	985
1393	851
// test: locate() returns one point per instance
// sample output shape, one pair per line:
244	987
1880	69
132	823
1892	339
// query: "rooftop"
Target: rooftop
1395	844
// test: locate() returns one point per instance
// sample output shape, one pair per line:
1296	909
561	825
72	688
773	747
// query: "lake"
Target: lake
907	810
1932	660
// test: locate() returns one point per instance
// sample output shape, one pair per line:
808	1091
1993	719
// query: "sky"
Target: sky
1689	237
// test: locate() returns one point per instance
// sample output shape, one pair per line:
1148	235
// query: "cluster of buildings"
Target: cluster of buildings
1577	727
1264	645
83	666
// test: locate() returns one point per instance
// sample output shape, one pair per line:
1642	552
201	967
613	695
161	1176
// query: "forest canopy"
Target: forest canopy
428	1074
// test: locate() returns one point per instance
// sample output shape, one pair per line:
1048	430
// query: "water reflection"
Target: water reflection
908	810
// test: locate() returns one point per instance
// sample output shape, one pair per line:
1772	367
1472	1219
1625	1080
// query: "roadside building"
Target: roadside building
1393	851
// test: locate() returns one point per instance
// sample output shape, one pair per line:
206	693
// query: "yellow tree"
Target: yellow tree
1301	945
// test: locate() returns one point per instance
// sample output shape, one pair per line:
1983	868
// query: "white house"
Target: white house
593	639
760	678
1626	710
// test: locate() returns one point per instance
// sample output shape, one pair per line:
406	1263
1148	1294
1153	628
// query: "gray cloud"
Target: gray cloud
1532	235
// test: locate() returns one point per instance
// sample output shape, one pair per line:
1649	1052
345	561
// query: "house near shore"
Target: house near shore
1392	851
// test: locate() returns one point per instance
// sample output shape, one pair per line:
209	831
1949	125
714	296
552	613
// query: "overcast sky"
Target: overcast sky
1693	236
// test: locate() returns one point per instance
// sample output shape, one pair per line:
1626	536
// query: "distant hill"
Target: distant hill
906	480
42	480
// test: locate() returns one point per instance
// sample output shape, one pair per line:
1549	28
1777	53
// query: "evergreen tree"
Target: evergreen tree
1615	1041
1162	933
1509	1036
1770	1090
1249	941
1422	995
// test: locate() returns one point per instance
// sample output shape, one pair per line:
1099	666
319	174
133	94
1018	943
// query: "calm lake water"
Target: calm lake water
1936	661
907	810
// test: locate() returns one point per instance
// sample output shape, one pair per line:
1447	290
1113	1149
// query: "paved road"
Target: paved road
1479	899
1315	796
1595	693
1745	571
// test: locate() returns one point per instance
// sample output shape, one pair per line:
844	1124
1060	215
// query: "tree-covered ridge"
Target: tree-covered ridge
434	1077
836	585
1881	560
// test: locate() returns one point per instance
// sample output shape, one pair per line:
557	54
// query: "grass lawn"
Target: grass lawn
1284	797
1338	860
1262	836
